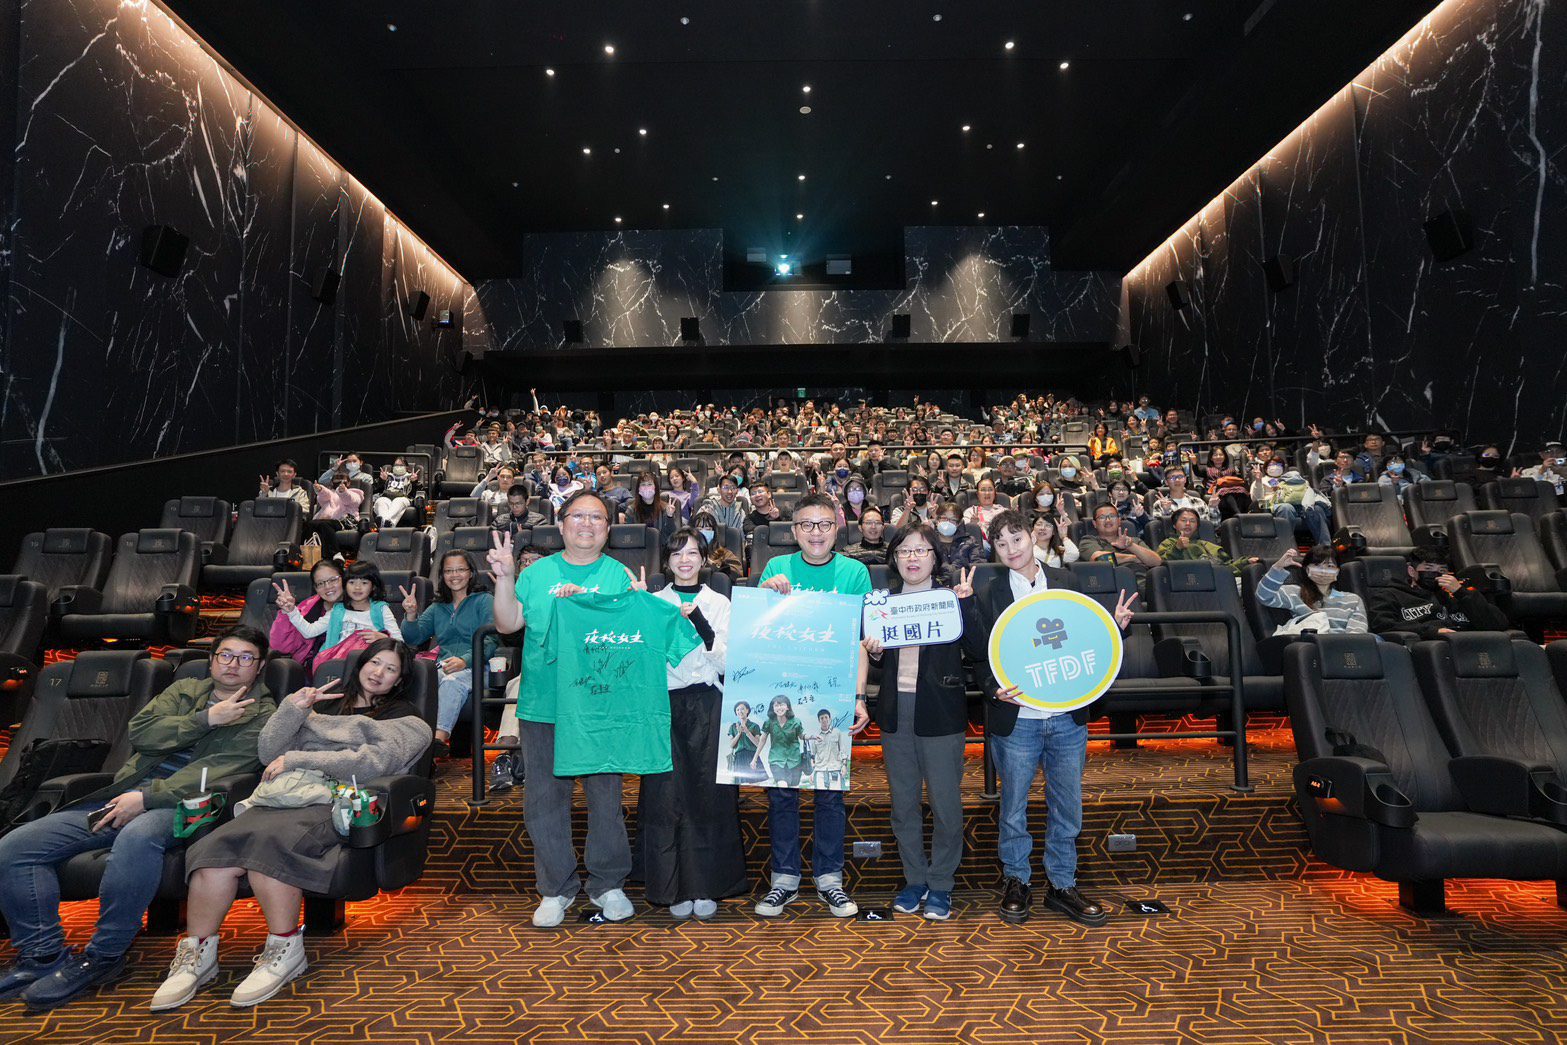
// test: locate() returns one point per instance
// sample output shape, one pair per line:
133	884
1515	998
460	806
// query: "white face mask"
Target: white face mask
647	492
1275	470
1069	473
856	496
1045	500
946	527
1322	576
398	469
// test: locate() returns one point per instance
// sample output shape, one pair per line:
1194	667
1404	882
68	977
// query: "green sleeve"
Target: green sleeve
1166	548
166	723
236	757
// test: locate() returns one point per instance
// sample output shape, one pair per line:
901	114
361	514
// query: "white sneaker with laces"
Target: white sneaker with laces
551	911
194	966
281	960
615	905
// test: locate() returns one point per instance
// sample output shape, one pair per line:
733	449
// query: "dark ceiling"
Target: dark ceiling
452	120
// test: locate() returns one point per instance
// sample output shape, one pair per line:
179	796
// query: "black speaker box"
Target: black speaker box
1134	356
1179	298
571	329
1020	324
1450	234
901	325
418	304
690	328
324	289
1280	271
163	249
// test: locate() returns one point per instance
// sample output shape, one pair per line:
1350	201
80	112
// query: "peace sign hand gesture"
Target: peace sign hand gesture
410	603
499	558
1123	609
285	598
638	583
965	587
309	695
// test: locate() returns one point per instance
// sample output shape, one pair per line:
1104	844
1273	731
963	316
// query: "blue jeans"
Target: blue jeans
451	696
30	886
1315	518
1058	746
783	830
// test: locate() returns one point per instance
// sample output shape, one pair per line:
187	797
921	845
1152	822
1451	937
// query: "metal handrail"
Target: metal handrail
478	701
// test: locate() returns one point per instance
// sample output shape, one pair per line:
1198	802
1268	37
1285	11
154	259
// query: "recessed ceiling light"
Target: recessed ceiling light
888	177
1187	17
935	18
981	215
642	131
391	27
617	150
549	72
617	219
609	49
805	110
586	151
715	177
1059	177
800	177
806	88
1019	145
967	128
515	184
990	145
934	202
799	217
1065	65
666	206
1009	45
684	20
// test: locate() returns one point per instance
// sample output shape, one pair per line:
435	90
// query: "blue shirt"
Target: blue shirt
453	632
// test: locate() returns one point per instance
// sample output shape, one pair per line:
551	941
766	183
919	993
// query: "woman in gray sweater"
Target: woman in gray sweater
371	730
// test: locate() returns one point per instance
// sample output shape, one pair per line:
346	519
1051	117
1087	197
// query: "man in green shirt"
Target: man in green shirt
529	601
815	567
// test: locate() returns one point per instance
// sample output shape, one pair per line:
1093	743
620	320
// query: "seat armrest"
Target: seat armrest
287	558
216	555
177	599
1363	788
1182	658
1270	651
1403	638
61	791
1510	787
15	670
77	598
407	800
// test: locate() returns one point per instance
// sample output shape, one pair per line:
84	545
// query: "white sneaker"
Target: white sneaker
681	909
704	909
615	905
551	911
194	966
280	961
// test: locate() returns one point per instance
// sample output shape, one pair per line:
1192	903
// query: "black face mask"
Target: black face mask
1426	580
919	498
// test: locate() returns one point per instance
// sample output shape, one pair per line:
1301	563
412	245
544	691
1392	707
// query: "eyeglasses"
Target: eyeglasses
587	518
328	583
913	553
230	657
819	526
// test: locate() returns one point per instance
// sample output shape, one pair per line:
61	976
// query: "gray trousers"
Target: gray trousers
933	765
546	814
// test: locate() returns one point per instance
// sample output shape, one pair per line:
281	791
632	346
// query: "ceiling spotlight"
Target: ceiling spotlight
1019	145
888	177
990	145
666	206
617	219
587	151
805	110
799	217
549	72
1060	177
967	128
981	215
1064	66
391	27
1187	17
642	131
515	184
617	150
934	202
806	89
935	18
609	49
801	177
715	177
784	268
684	20
1009	45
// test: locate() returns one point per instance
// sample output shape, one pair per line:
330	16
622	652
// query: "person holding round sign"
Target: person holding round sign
922	711
1051	653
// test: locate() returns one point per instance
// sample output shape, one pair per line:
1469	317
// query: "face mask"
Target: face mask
920	498
647	492
1322	576
1397	468
946	527
398	469
1045	500
856	496
1275	470
563	482
707	535
1069	473
1256	426
842	473
1114	473
351	468
1426	579
1490	458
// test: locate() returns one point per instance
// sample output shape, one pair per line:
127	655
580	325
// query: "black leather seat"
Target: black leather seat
1535	498
1508	542
24	611
1373	510
1553	538
65	558
888	486
260	608
477	542
635	547
1139	688
396	549
719	582
776	538
268	530
459	511
1378	788
209	518
1363	575
1202	585
1432	504
793	481
396	580
548	539
1256	534
1159	529
461	474
149	596
89	698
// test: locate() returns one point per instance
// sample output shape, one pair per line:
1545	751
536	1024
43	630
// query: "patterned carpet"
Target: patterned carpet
1262	945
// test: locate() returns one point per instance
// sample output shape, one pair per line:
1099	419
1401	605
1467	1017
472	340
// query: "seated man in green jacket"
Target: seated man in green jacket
195	725
1187	545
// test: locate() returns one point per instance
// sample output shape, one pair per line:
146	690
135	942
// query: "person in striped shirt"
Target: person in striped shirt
1331	610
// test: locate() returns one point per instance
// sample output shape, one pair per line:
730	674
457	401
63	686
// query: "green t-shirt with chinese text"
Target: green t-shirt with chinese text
839	574
536	590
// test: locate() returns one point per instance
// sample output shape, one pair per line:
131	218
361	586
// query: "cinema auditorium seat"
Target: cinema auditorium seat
64	558
396	549
459	511
24	611
776	538
1379	790
266	533
1507	541
1431	506
1532	497
1373	511
1256	534
149	596
209	518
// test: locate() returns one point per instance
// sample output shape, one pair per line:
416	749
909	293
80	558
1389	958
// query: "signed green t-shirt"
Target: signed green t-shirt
536	590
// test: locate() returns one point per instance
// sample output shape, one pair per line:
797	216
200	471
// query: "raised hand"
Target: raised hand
1123	609
230	709
965	587
499	558
638	580
285	598
410	603
1288	559
310	695
266	484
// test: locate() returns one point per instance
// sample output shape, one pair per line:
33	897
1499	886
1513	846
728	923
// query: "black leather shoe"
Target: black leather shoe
1016	898
82	973
1076	906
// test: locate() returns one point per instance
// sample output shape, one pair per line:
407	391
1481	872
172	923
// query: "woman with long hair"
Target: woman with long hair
648	507
460	609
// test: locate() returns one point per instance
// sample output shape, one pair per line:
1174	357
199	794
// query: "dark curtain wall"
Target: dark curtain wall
630	289
1468	111
114	118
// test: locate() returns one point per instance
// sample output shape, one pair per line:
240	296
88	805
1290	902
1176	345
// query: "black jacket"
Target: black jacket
991	600
1404	607
940	692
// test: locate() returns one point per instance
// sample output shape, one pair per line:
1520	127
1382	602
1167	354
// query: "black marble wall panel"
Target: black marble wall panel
119	120
632	288
362	377
1468	112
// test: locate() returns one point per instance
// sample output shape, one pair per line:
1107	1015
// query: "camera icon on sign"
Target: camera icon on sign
1052	633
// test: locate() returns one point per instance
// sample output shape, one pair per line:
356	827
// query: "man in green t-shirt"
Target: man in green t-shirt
815	567
529	602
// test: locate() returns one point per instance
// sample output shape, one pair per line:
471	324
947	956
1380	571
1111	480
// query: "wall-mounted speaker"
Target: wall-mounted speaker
418	304
690	328
1180	299
1280	272
901	325
1020	322
448	319
571	331
163	249
1450	234
324	288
